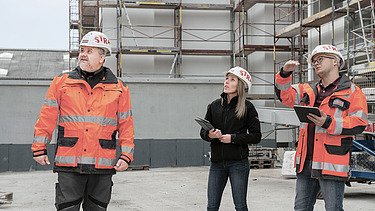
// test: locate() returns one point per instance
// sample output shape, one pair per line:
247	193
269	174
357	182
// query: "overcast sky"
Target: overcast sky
34	24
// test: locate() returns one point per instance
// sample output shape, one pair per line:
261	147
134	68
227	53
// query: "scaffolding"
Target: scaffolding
358	45
292	13
286	35
129	35
295	21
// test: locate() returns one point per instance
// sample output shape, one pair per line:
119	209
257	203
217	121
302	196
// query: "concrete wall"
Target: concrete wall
164	110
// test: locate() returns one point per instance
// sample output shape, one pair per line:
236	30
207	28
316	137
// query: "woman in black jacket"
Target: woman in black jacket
236	125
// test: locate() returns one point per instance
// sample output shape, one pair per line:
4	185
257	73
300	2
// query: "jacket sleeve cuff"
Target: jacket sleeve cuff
328	122
39	153
284	74
125	158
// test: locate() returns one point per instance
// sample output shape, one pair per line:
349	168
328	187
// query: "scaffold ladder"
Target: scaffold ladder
129	22
365	41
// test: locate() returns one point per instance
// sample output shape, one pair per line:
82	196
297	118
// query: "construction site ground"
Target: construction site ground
174	189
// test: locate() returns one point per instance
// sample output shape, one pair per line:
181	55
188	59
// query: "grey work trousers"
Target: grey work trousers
94	190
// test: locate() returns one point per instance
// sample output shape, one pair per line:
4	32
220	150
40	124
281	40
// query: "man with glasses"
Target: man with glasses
324	146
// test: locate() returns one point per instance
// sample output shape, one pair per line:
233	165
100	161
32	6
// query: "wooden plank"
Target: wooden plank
249	49
138	167
160	5
262	164
319	19
206	52
247	4
6	198
149	50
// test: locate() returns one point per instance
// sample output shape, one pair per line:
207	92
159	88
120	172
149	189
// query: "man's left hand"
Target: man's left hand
318	121
121	165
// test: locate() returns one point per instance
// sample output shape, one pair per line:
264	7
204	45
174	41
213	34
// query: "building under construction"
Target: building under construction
173	54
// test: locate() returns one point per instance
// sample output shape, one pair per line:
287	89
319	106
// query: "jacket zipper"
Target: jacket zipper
224	127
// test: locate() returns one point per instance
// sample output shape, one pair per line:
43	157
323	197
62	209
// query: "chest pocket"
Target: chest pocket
71	94
110	99
339	103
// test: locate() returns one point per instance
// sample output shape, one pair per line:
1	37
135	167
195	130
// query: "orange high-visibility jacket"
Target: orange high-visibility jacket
347	111
88	121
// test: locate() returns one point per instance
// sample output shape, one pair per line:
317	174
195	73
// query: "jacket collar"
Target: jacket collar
344	83
232	103
109	77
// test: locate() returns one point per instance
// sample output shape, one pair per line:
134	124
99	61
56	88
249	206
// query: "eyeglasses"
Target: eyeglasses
319	59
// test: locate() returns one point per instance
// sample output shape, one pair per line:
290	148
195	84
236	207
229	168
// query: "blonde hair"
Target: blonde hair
241	104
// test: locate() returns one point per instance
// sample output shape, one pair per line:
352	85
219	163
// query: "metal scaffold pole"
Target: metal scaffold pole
119	38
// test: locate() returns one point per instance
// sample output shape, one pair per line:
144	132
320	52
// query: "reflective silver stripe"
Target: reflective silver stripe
338	126
49	102
41	139
65	159
359	114
93	119
298	160
106	162
283	86
330	167
303	125
336	167
126	149
298	98
316	165
320	130
339	121
124	115
86	160
352	87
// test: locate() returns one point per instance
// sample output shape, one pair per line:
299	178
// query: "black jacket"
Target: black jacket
244	131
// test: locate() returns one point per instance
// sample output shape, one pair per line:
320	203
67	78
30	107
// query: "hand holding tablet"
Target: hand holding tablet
205	124
303	111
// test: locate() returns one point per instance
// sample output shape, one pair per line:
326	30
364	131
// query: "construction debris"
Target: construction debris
6	198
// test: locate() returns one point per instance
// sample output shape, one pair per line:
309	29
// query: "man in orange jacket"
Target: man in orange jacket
91	108
324	146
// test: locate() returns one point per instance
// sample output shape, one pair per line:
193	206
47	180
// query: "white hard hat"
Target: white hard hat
97	39
326	49
243	75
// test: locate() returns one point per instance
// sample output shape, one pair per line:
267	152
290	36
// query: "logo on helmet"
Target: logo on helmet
329	47
246	75
101	39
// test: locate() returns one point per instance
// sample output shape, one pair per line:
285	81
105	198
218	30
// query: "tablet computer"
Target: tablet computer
303	111
205	124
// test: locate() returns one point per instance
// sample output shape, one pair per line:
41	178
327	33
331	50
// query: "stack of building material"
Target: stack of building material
288	170
138	167
262	157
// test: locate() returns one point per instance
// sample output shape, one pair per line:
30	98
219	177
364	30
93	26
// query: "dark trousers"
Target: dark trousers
238	174
94	190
